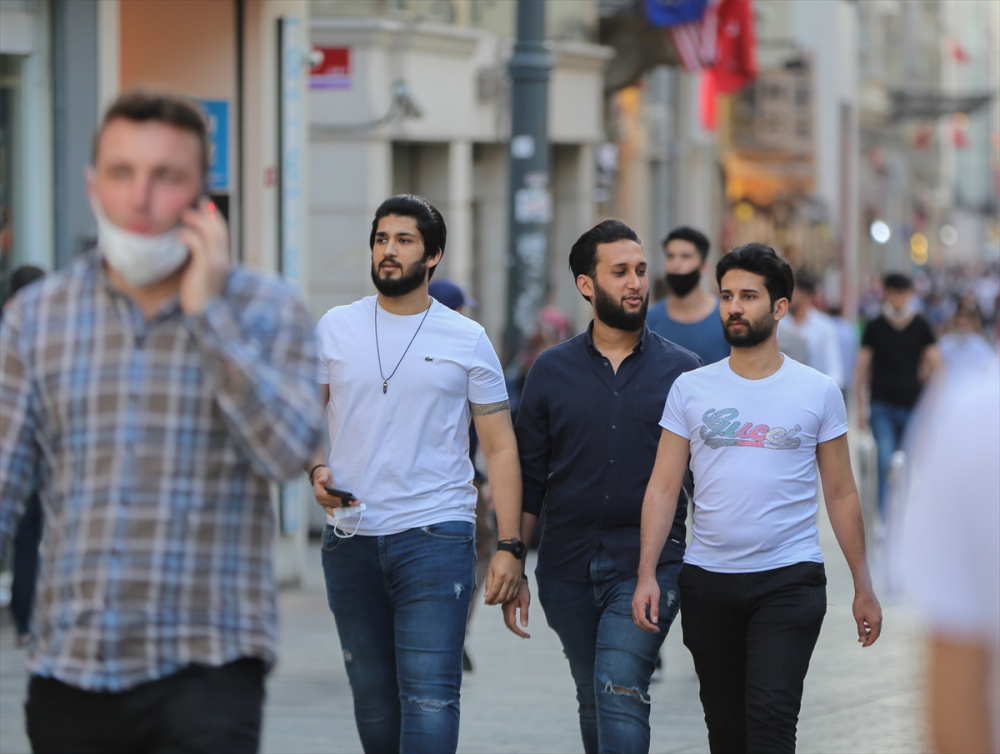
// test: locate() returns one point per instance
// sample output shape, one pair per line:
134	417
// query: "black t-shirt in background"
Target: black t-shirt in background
896	359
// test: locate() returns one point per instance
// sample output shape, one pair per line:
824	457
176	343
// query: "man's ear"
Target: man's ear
434	261
585	284
780	309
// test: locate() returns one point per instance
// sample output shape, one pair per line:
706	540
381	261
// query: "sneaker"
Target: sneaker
466	662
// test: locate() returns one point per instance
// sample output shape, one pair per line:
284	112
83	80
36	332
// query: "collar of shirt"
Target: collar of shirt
640	347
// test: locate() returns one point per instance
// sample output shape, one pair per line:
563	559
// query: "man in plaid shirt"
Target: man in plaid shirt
157	389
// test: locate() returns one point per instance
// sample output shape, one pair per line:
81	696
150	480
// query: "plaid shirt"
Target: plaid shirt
154	443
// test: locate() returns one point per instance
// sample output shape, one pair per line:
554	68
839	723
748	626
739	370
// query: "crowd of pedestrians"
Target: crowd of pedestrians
153	391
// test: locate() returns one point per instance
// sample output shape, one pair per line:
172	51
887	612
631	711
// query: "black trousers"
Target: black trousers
751	636
215	710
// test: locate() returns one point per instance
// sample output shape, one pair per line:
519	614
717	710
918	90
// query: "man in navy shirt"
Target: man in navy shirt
587	437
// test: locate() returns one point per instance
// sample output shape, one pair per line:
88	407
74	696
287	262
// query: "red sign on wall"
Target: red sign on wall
334	71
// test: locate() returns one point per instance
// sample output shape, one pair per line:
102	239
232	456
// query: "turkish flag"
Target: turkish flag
735	58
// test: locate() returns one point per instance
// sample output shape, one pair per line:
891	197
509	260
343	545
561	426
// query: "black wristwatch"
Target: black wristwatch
514	546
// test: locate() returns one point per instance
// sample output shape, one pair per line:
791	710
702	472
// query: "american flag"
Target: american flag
695	41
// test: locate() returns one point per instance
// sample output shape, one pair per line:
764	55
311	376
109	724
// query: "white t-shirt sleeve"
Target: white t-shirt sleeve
486	382
834	422
673	418
322	357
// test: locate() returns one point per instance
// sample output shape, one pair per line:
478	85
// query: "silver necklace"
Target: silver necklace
378	351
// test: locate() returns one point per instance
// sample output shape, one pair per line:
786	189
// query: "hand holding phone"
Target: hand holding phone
345	496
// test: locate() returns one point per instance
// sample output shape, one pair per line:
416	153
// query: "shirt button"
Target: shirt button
616	392
614	427
607	497
612	460
605	363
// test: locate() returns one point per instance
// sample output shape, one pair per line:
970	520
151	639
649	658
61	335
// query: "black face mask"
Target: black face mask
682	285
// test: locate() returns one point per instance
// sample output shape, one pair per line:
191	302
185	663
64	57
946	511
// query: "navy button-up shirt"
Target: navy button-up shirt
587	437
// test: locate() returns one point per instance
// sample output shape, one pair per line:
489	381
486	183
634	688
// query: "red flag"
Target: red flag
706	98
735	58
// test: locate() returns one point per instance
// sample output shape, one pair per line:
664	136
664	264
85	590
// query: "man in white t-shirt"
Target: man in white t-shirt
753	586
950	553
400	374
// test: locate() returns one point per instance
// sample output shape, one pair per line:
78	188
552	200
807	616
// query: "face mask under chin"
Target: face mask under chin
142	260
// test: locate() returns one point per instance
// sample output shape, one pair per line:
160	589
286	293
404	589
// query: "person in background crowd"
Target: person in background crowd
449	294
898	354
587	448
29	529
158	391
753	585
963	347
400	377
949	554
816	327
847	339
689	317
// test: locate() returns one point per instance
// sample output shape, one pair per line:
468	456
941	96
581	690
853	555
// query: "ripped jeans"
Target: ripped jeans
611	658
401	603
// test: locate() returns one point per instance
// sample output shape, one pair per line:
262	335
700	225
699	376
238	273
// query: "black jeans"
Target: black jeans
215	710
751	636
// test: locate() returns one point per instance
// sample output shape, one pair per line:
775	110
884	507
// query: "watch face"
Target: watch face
520	550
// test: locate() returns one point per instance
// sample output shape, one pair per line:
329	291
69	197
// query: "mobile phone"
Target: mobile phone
345	496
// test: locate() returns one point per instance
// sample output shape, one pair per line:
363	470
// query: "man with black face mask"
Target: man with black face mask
689	317
587	439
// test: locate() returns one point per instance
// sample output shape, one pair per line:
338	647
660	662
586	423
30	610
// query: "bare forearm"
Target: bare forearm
849	527
505	480
318	459
658	510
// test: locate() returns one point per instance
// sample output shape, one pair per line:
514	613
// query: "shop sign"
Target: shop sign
333	71
217	114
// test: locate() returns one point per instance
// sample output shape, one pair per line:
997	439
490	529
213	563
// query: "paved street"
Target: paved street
520	697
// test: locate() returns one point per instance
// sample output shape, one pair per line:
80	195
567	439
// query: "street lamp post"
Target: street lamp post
530	198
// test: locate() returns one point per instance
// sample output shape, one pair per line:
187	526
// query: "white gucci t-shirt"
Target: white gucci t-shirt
404	453
753	458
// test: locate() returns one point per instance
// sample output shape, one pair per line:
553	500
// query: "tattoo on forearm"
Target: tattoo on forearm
485	409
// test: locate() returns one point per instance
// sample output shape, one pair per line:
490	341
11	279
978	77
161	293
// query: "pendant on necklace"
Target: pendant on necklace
385	386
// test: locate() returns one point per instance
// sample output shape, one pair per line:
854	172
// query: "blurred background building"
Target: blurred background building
856	136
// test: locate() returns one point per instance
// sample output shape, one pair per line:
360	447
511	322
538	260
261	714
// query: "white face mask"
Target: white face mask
141	260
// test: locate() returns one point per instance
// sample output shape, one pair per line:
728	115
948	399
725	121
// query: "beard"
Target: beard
613	313
407	282
755	334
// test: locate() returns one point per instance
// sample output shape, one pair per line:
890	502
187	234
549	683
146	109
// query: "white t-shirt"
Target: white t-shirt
405	453
950	548
753	458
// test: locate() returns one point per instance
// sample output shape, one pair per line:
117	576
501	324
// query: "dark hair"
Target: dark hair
430	223
760	260
143	107
690	235
583	255
897	281
805	281
24	275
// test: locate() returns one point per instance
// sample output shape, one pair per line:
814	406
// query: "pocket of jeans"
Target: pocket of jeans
330	541
451	531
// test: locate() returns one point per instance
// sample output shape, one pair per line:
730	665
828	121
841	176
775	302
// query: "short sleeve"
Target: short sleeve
322	355
868	338
927	333
486	381
673	418
834	421
949	551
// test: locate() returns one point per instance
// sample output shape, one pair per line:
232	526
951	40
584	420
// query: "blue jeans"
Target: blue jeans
611	658
888	423
401	603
